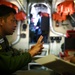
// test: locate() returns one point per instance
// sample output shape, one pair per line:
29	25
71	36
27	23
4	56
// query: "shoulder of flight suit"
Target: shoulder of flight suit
10	63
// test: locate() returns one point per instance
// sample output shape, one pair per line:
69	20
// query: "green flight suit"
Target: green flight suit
11	60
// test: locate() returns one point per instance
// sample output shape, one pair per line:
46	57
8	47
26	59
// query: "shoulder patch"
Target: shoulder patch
1	40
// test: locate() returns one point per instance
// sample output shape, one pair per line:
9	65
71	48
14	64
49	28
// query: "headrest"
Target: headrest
58	17
6	3
7	7
45	14
66	7
21	15
4	10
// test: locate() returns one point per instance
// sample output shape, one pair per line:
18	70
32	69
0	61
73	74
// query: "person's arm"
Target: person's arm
35	49
72	59
10	63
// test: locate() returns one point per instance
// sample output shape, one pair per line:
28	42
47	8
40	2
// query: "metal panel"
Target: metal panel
39	0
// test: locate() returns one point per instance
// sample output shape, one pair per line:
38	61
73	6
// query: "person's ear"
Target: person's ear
1	21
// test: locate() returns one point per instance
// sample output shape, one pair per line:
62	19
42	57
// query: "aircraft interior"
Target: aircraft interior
57	26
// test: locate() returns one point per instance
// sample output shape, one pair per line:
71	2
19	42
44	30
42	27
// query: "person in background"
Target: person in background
11	59
38	31
70	59
31	29
39	18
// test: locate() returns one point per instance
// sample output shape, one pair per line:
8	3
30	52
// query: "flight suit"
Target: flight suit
11	59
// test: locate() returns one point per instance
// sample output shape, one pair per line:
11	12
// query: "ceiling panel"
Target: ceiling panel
39	0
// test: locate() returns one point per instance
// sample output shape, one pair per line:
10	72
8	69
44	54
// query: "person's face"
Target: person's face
9	24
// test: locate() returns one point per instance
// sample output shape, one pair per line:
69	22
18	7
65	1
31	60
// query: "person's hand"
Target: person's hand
37	47
68	58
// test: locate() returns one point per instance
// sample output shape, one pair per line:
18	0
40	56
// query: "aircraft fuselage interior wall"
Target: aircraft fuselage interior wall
29	30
